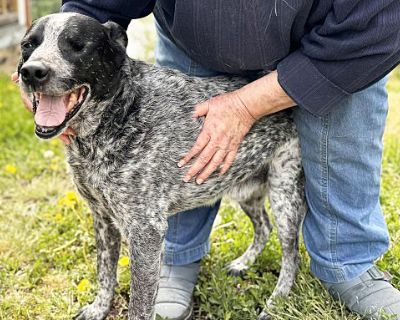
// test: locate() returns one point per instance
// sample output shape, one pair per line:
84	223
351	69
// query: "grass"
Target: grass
47	251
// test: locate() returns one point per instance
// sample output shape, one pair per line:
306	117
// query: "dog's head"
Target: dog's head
67	61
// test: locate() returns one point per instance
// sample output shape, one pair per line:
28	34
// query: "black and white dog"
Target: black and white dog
133	123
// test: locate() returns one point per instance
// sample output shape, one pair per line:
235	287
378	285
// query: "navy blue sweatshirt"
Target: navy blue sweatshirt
323	50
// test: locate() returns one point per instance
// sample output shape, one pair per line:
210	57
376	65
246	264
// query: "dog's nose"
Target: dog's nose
34	73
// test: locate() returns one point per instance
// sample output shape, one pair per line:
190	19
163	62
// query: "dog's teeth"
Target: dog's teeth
81	93
73	98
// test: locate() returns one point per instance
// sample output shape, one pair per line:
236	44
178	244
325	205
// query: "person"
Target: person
327	58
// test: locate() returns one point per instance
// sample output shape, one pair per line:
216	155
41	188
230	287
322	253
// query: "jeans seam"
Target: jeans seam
333	221
324	188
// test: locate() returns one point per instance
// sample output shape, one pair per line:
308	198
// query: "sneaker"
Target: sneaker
175	293
370	295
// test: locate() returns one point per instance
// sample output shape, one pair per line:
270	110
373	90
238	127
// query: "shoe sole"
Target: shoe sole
190	315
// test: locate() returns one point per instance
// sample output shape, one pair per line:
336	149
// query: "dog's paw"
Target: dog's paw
94	311
236	268
264	316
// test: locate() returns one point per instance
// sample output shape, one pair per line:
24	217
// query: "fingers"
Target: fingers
65	136
14	77
26	101
199	145
212	156
223	130
202	109
204	157
230	158
69	132
213	165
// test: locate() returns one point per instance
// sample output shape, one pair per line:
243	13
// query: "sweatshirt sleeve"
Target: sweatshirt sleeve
355	46
120	11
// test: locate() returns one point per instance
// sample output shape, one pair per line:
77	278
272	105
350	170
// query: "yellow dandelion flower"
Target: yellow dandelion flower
123	261
11	169
58	217
71	196
69	200
83	285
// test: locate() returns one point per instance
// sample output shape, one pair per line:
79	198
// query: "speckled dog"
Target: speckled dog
133	123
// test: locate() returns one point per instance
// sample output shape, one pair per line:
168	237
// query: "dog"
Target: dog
133	123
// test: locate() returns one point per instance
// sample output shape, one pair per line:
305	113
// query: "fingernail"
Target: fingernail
186	179
199	181
180	163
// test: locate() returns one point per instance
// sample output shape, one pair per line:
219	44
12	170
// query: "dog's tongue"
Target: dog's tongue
51	111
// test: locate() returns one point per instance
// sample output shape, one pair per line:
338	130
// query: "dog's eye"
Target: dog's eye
30	43
27	45
76	46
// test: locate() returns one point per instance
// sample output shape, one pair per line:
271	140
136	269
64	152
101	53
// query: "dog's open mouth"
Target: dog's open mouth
53	112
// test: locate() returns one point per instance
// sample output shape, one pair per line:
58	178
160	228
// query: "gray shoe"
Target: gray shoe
371	295
175	294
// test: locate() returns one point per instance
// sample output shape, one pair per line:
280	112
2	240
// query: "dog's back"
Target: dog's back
148	126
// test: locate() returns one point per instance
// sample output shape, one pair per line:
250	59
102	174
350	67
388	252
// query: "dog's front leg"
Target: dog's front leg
108	241
146	240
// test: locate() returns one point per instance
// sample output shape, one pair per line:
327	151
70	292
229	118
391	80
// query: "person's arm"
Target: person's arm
228	119
120	11
357	44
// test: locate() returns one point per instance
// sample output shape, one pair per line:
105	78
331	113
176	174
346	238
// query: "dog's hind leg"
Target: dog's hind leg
255	209
108	242
286	195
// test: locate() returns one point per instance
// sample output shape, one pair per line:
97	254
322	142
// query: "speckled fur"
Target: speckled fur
124	164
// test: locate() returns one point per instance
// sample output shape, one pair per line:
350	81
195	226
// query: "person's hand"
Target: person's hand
25	99
228	119
226	124
65	136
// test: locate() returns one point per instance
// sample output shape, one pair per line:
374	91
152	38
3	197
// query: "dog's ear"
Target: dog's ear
116	33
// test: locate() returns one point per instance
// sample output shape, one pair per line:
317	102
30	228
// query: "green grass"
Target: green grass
47	251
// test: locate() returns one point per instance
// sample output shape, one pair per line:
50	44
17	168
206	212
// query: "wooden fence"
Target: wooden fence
8	6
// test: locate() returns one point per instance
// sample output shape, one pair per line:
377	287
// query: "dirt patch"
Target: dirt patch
9	59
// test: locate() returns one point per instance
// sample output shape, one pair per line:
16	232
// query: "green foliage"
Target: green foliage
47	250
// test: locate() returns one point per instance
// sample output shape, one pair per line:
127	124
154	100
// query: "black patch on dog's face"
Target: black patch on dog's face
95	58
30	42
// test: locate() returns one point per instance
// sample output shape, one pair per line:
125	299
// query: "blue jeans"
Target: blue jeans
344	230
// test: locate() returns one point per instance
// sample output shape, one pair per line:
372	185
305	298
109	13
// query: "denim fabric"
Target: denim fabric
344	230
